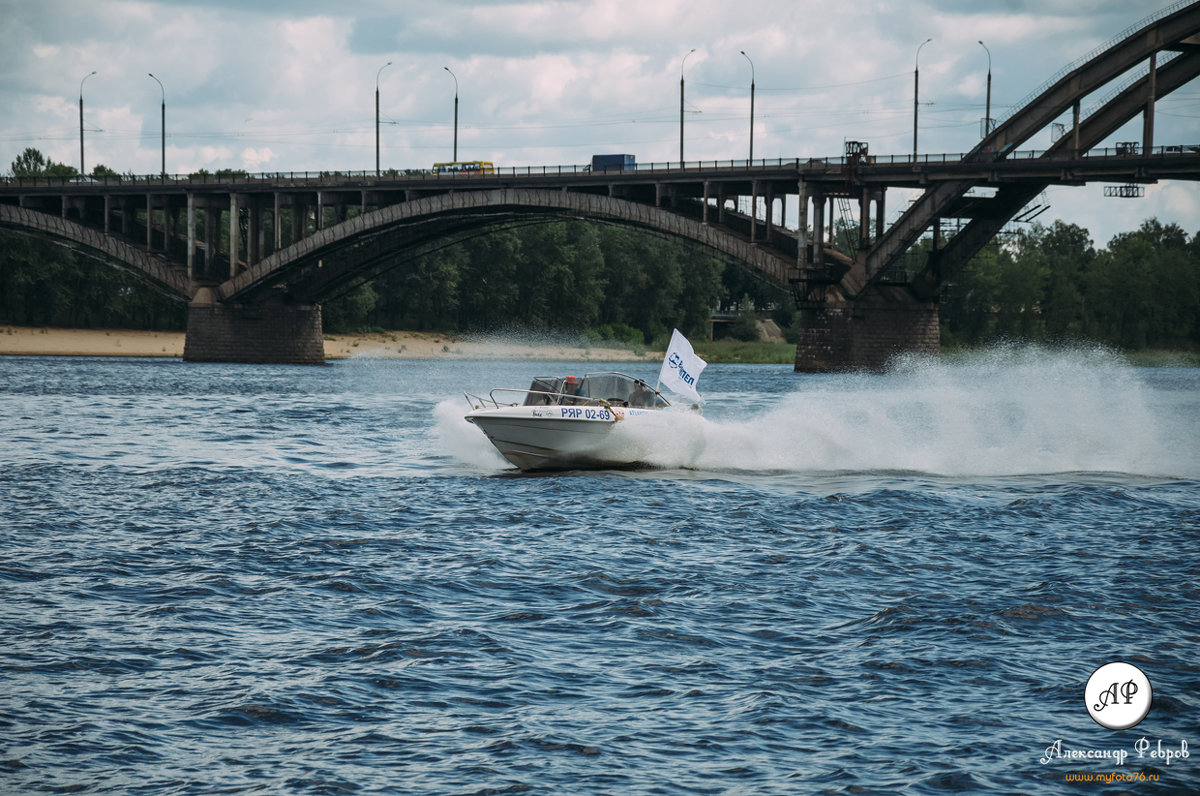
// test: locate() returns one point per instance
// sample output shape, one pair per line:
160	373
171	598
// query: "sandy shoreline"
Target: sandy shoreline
40	341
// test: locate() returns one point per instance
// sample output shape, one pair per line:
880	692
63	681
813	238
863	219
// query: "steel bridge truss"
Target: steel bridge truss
1174	35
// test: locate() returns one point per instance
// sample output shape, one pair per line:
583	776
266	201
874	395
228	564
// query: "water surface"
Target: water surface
322	580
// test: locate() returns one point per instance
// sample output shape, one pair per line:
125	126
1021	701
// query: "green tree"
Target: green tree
350	312
30	163
488	290
1068	253
1022	275
1145	289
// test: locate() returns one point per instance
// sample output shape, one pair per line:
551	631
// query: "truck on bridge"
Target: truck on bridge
613	163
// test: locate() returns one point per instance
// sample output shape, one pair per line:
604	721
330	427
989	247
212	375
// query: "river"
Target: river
247	579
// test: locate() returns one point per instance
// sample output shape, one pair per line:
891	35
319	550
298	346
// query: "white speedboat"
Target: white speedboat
566	423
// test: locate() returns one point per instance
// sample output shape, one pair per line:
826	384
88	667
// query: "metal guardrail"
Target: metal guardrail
427	175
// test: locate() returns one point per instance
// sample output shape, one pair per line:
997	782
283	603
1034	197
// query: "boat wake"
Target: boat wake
1012	410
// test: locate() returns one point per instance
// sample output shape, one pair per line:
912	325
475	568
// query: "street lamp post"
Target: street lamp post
751	106
163	109
916	89
987	113
377	74
681	65
455	113
82	171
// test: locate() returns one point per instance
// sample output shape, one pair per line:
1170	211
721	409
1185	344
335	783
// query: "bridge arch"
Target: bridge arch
159	273
367	239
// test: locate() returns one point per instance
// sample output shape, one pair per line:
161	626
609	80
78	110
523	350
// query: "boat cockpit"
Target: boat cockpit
614	389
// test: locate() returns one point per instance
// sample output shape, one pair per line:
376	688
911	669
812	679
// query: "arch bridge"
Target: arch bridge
253	255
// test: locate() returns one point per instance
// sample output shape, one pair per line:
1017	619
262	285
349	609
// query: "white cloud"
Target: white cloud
257	159
291	84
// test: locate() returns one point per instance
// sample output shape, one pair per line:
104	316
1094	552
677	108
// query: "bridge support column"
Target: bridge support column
150	222
865	334
253	225
234	235
801	224
191	236
753	211
211	212
277	225
880	211
273	332
818	233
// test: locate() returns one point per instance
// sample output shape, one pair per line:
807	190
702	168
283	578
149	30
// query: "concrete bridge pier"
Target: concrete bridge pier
866	333
271	332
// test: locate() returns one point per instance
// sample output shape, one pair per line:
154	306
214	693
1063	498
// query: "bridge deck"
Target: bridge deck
1180	161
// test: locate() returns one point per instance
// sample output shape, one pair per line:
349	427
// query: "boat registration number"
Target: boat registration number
586	413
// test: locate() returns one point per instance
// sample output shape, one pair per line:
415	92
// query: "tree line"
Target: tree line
613	283
1051	283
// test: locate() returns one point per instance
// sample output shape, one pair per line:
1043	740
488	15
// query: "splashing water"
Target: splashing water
1010	410
461	439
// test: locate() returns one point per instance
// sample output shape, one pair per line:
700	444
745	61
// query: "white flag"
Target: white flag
681	367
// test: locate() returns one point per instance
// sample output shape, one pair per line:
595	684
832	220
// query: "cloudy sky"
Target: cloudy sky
289	85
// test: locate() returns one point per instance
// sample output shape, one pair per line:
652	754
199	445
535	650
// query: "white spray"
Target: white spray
1011	410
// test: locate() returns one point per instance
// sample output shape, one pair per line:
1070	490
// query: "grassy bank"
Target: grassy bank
736	351
766	353
741	352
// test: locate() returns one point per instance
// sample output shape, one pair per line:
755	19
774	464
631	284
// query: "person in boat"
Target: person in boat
573	391
641	395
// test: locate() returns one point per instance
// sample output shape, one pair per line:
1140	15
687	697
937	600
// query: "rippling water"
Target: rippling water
322	580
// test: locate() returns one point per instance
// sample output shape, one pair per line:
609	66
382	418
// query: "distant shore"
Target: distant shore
44	341
47	341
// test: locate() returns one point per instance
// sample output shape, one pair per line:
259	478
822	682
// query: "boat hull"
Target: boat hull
556	437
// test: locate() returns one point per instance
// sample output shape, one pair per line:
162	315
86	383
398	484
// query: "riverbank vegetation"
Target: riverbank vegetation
1142	291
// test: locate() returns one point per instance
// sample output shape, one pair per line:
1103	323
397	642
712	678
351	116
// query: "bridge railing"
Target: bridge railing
240	177
369	178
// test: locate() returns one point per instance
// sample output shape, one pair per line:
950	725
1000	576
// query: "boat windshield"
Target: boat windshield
615	389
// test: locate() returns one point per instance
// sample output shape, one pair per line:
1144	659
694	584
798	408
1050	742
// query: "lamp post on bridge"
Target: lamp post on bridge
681	65
82	171
751	106
455	113
377	74
916	89
163	110
987	112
